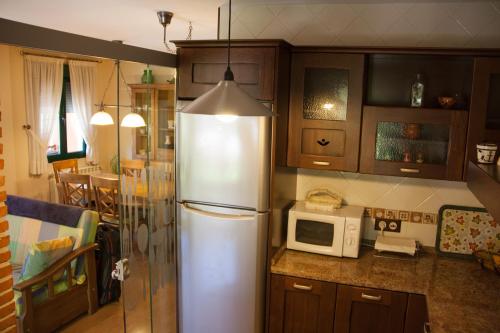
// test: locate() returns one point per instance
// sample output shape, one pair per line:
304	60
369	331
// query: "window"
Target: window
66	140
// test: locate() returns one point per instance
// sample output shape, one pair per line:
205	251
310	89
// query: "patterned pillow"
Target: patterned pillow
43	254
24	232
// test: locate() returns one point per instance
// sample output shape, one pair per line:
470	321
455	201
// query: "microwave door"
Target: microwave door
222	261
324	237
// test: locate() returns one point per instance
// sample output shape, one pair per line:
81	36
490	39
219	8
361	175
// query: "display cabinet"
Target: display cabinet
325	110
414	142
156	104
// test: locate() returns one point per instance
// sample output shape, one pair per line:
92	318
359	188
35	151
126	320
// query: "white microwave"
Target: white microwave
336	233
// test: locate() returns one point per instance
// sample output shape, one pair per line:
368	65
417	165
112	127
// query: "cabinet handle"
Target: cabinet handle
370	297
408	170
427	328
302	287
321	163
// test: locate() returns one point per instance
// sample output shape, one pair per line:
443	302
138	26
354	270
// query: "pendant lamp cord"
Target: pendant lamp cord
228	75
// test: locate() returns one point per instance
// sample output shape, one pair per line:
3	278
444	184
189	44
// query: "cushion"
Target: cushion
43	254
44	211
24	232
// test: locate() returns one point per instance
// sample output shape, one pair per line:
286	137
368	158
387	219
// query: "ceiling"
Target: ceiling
134	21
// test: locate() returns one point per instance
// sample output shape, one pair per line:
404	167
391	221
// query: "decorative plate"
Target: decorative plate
463	230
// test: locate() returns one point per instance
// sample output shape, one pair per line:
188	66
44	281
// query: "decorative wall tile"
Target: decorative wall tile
404	216
416	217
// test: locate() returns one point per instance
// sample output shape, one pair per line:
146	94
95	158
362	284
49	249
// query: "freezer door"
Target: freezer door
222	260
224	160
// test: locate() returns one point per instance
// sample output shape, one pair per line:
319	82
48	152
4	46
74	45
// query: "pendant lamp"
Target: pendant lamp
227	98
133	120
103	118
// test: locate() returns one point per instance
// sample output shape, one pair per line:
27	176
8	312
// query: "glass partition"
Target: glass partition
147	224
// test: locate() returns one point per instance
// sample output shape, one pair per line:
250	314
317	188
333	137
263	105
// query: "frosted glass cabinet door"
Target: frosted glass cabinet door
325	110
411	142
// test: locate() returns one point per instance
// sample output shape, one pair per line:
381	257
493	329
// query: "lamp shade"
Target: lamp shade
226	98
101	118
133	120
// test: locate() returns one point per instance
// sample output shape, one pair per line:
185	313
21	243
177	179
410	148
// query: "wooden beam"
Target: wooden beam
27	35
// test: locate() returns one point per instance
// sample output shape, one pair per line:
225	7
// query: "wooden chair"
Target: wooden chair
132	167
64	167
76	190
106	198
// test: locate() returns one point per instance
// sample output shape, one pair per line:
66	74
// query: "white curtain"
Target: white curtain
82	77
43	80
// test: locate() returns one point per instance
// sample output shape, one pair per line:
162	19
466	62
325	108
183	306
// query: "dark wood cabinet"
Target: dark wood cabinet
417	318
360	310
325	110
301	305
413	142
484	123
201	68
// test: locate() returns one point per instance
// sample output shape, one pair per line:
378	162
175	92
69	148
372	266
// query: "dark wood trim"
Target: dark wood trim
484	181
397	50
234	42
27	35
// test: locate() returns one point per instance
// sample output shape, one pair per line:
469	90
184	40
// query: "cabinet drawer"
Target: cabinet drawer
200	69
301	305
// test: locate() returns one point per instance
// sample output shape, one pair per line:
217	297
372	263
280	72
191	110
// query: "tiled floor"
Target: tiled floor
108	319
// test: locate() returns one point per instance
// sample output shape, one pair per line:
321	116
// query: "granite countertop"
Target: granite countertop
461	296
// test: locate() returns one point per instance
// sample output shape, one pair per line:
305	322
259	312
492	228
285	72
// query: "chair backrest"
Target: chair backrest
106	198
132	167
76	189
64	167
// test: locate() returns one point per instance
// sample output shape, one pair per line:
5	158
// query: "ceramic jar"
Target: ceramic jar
486	153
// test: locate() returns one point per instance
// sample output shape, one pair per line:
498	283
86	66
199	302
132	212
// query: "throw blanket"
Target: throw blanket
44	211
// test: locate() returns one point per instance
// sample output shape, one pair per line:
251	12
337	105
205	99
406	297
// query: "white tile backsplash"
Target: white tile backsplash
400	193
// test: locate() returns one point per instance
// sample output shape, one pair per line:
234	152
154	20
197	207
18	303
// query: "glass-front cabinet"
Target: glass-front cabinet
155	103
427	143
325	110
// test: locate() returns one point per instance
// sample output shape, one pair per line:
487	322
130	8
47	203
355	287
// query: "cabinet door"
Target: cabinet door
165	122
484	121
143	103
301	305
361	310
417	318
325	111
424	143
200	69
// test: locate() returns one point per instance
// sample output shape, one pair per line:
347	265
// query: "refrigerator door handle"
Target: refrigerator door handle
198	211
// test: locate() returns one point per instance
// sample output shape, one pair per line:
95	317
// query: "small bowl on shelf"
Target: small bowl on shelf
447	102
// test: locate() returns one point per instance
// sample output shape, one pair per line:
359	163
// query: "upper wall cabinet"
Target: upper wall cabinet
201	68
415	136
484	124
325	110
424	143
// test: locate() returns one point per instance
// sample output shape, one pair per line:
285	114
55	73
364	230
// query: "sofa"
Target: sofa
64	289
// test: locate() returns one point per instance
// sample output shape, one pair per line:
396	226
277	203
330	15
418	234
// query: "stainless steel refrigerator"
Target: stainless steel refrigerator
223	169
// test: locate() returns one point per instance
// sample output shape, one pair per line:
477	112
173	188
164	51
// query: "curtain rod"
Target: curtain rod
57	57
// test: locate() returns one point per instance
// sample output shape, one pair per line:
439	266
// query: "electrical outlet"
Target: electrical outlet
389	225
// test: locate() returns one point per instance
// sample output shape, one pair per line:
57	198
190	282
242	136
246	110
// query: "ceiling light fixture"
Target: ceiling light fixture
227	98
165	18
103	118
